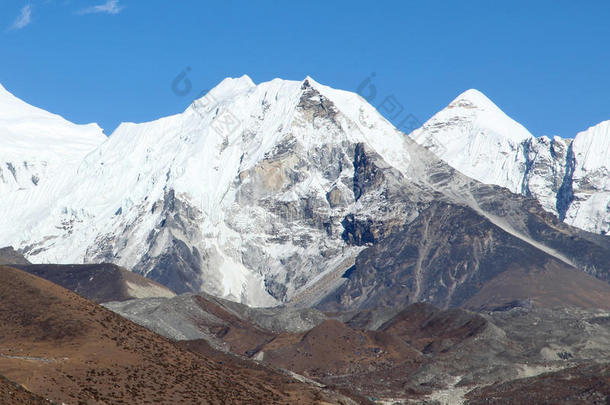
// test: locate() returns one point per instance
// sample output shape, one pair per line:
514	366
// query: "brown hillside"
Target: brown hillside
13	394
333	348
103	282
582	385
65	348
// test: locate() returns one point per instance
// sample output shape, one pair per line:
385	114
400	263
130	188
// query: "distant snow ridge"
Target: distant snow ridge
569	177
36	145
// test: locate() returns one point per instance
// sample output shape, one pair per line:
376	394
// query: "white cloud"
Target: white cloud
110	7
23	19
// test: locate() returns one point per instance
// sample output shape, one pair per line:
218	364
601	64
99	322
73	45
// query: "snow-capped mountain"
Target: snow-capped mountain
271	193
223	197
568	176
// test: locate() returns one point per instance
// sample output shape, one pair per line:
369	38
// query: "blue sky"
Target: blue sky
545	63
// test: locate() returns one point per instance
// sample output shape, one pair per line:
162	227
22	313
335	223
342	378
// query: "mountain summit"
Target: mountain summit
568	177
473	135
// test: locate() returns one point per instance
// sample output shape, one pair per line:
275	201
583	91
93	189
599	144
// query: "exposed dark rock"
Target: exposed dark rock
8	255
565	195
446	256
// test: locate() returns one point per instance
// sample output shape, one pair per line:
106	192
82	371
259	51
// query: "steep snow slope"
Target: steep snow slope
36	145
567	176
39	152
590	180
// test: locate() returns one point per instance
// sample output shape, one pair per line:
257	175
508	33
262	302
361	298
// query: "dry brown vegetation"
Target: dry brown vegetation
65	348
13	394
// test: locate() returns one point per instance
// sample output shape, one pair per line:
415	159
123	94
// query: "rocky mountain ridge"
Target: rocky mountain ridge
288	192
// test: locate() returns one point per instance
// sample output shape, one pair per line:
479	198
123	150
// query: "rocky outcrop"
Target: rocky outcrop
8	255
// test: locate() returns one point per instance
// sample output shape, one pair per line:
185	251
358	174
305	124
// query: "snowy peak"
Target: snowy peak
240	181
473	135
473	98
231	87
568	177
310	82
474	108
474	105
13	107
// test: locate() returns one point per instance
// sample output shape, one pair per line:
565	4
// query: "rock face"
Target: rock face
451	256
293	192
465	235
568	176
8	255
